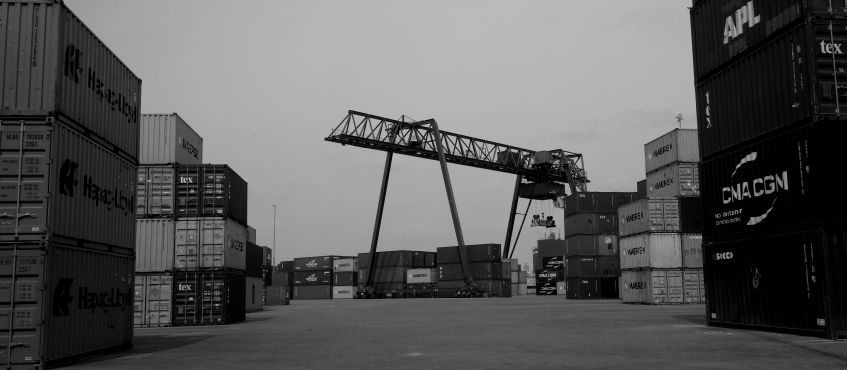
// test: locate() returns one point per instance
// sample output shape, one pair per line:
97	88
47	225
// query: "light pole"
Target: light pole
273	251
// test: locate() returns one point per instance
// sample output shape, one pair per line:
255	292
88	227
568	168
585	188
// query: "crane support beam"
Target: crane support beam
414	139
512	211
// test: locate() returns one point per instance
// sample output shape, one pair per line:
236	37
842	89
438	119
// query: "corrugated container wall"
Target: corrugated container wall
661	214
254	293
312	292
651	251
56	310
208	297
55	66
596	202
154	246
155	191
786	81
679	145
344	292
167	139
591	223
692	250
663	286
551	247
211	190
592	245
675	180
725	29
475	253
69	187
345	265
210	242
313	263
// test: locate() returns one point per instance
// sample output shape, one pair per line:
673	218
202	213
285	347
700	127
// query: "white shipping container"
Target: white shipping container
153	305
692	250
420	276
693	285
154	246
67	302
652	286
660	250
649	214
56	183
254	294
675	180
344	292
53	65
345	265
210	242
167	139
679	145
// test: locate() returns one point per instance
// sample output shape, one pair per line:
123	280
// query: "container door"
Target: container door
188	191
141	192
25	179
185	302
187	248
21	290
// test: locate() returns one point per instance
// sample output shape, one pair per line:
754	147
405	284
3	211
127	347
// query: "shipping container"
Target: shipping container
551	247
479	271
653	286
318	263
693	286
724	30
542	190
641	189
660	250
276	295
251	234
591	224
553	263
403	258
254	294
64	301
546	287
674	180
791	79
692	250
253	260
154	246
591	288
394	274
661	214
592	245
211	297
310	292
287	266
210	242
55	66
167	139
475	253
679	145
155	191
345	265
345	278
313	277
56	183
523	278
153	303
344	292
596	202
494	288
211	190
549	275
536	260
780	181
420	276
597	266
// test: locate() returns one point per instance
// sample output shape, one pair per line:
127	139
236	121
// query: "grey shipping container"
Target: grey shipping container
551	247
479	271
661	214
153	304
592	288
597	266
155	191
313	263
167	139
313	277
345	278
675	180
154	246
679	145
659	250
276	295
792	79
692	250
592	245
210	242
57	183
591	224
312	292
475	253
254	294
211	190
66	302
792	281
253	260
596	202
723	30
55	66
659	286
391	274
212	297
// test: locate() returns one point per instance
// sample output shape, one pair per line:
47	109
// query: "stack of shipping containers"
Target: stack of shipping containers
345	277
660	235
487	270
282	284
165	141
769	108
312	277
68	129
591	258
257	265
398	274
550	266
517	277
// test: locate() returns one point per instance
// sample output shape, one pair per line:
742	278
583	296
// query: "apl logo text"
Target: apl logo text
745	16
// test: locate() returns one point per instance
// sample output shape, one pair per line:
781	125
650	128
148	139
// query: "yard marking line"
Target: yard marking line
824	341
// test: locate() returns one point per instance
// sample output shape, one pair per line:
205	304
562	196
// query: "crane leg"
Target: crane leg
511	225
372	257
520	229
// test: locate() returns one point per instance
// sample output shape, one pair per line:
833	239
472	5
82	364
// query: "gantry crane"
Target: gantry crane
540	175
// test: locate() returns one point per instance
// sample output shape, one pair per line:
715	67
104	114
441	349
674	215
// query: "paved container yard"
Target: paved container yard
527	332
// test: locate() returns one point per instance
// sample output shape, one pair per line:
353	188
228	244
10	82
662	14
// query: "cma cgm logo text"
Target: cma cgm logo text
735	23
754	188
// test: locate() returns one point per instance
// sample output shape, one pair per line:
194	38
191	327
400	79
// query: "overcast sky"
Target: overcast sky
264	82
